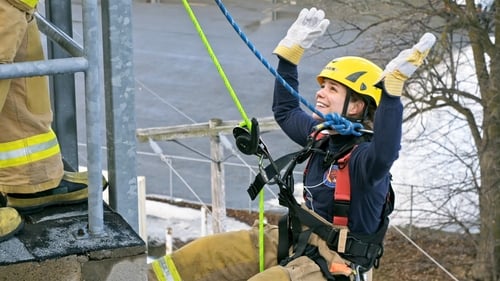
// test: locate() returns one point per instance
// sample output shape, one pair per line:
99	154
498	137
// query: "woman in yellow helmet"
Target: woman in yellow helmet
354	88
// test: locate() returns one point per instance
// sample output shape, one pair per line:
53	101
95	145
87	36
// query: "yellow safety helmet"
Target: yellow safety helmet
356	73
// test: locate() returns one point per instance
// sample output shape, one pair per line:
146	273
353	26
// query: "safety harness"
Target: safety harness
295	228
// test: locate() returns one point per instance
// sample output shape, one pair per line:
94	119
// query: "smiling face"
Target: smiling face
330	99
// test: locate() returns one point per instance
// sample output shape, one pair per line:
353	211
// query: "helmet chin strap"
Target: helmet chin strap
346	106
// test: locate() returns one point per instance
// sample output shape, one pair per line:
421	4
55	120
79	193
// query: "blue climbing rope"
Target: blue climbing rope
342	125
335	121
263	60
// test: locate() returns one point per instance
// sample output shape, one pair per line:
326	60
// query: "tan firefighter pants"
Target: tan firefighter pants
30	159
234	256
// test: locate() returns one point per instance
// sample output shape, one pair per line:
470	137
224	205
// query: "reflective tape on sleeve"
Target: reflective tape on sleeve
31	3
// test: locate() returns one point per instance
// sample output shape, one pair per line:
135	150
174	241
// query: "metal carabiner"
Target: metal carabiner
357	273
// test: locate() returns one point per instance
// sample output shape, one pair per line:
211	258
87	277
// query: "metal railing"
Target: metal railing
115	45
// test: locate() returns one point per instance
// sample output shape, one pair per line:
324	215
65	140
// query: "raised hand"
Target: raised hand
309	26
405	64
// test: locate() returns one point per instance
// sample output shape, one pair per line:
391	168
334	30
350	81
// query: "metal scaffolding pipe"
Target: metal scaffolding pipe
93	94
120	111
63	86
121	123
57	35
44	67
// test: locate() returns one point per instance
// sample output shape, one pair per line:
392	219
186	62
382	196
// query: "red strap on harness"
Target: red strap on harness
342	187
342	195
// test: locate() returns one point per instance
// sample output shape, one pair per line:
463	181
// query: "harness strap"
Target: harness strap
284	238
363	250
342	195
316	140
313	253
269	173
301	245
303	248
355	247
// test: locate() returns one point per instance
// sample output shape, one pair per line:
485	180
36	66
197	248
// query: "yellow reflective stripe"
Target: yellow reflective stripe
28	150
173	269
31	3
157	268
165	269
22	143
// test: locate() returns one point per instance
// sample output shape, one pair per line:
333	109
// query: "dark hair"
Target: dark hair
368	109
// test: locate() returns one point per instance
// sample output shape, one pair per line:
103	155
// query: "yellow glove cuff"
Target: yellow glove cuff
394	83
292	54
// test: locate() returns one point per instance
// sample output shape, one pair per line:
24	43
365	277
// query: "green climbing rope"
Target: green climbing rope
246	120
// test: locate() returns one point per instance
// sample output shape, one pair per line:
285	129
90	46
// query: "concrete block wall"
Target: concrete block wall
77	268
51	247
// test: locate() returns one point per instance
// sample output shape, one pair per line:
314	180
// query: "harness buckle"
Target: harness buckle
341	246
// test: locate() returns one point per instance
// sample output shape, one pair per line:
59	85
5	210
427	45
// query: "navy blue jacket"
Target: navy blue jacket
370	161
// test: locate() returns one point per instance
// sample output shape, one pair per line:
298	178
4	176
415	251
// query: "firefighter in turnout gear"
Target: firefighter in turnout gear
337	233
32	173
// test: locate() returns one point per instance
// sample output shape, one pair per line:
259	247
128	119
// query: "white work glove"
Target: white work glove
405	64
308	27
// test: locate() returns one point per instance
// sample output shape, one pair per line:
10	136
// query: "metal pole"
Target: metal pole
120	107
204	221
56	34
217	179
93	94
411	212
170	177
63	85
141	187
39	68
169	241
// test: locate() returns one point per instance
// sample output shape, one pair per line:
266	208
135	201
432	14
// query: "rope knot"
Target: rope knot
342	125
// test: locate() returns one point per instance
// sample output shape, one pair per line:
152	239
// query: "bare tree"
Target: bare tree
453	112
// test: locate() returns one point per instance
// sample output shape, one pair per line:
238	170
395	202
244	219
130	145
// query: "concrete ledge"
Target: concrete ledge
55	245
